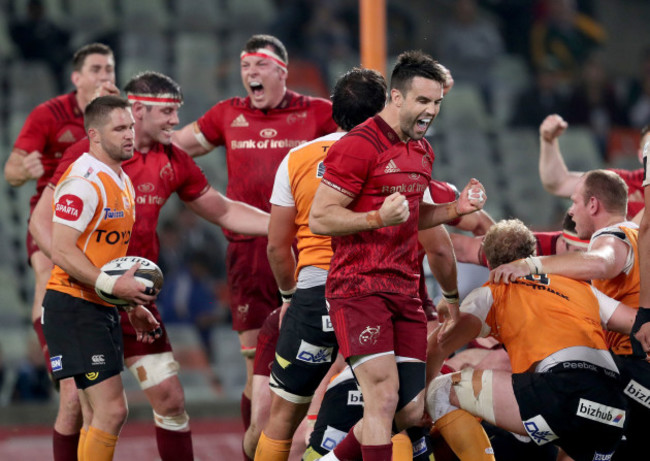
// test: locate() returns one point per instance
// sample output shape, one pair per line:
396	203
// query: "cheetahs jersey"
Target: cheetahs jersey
626	286
100	204
538	315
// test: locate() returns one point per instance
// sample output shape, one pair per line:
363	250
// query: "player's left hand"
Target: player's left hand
507	273
472	198
147	328
105	89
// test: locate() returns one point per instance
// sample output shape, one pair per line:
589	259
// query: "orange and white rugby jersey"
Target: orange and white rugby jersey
94	200
538	315
626	286
296	181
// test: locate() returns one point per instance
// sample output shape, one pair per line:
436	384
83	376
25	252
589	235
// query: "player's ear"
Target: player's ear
74	78
396	97
137	109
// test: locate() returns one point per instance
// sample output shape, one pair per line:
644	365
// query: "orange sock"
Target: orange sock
272	450
465	435
99	446
82	442
402	448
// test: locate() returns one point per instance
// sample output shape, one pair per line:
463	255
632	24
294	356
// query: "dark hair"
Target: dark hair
507	241
263	41
412	64
358	95
608	187
97	112
92	48
153	83
568	224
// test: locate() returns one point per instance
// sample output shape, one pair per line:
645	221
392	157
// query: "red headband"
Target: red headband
155	99
267	54
574	240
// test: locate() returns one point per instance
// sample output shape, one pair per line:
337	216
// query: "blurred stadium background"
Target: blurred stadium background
197	42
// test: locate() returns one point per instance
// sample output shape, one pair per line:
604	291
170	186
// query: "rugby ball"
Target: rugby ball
148	273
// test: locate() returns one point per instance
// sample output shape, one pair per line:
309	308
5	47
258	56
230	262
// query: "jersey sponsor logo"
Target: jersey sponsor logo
413	187
355	398
603	456
268	133
150	200
57	363
67	137
320	170
113	237
239	122
109	213
266	143
98	359
611	416
92	376
69	207
331	438
146	188
297	117
311	353
391	167
327	323
539	430
369	336
638	392
419	447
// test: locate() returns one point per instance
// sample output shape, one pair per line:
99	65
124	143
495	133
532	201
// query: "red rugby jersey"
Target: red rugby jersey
51	128
257	140
635	190
155	175
369	164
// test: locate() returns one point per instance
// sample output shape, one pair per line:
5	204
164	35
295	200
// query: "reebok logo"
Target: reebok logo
391	167
601	413
239	122
638	393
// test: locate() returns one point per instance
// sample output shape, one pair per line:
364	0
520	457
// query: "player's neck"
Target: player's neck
106	159
390	115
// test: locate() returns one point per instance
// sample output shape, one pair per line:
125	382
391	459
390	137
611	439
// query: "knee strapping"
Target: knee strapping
172	423
474	391
411	381
437	400
151	370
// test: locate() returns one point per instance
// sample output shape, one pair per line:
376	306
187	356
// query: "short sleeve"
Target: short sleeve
346	166
478	303
281	194
75	202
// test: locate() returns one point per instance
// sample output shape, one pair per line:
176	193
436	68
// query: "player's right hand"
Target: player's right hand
33	165
394	210
105	89
552	127
127	287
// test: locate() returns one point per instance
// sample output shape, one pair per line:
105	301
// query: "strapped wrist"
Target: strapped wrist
373	218
451	297
287	295
534	265
105	282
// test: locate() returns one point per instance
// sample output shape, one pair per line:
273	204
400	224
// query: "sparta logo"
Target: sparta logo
69	207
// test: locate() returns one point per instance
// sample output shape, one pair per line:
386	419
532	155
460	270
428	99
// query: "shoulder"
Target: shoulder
297	100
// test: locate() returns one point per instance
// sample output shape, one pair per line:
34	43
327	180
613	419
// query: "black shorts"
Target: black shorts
341	408
84	339
635	378
582	411
306	347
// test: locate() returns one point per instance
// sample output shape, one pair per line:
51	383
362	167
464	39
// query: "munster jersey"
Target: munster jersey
635	191
626	286
156	175
369	164
50	128
100	204
296	181
257	140
538	315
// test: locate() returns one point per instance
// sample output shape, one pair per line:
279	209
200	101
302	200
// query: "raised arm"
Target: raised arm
230	214
22	167
329	215
467	249
556	177
191	140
